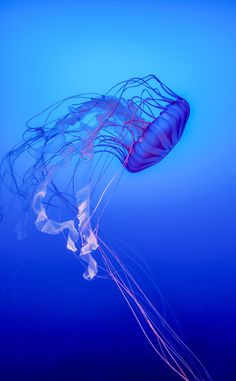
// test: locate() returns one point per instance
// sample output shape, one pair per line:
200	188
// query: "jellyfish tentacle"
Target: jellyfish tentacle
157	331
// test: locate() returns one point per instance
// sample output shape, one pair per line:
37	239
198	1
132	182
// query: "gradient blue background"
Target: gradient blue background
179	215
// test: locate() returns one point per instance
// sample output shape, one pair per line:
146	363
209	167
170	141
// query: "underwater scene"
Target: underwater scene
117	190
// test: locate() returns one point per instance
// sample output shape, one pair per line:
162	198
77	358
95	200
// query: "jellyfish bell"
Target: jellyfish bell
66	184
159	137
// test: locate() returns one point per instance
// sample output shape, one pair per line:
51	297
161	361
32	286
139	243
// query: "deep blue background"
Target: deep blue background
179	215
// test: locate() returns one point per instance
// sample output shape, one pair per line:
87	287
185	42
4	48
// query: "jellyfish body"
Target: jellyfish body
138	121
159	138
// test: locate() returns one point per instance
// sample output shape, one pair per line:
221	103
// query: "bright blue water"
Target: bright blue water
179	215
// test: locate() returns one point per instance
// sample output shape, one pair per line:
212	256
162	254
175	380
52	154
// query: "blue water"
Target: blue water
179	215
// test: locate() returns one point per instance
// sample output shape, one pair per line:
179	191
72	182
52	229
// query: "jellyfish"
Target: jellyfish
59	171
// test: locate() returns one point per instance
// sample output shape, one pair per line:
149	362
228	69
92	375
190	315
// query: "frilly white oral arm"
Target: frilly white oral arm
88	238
